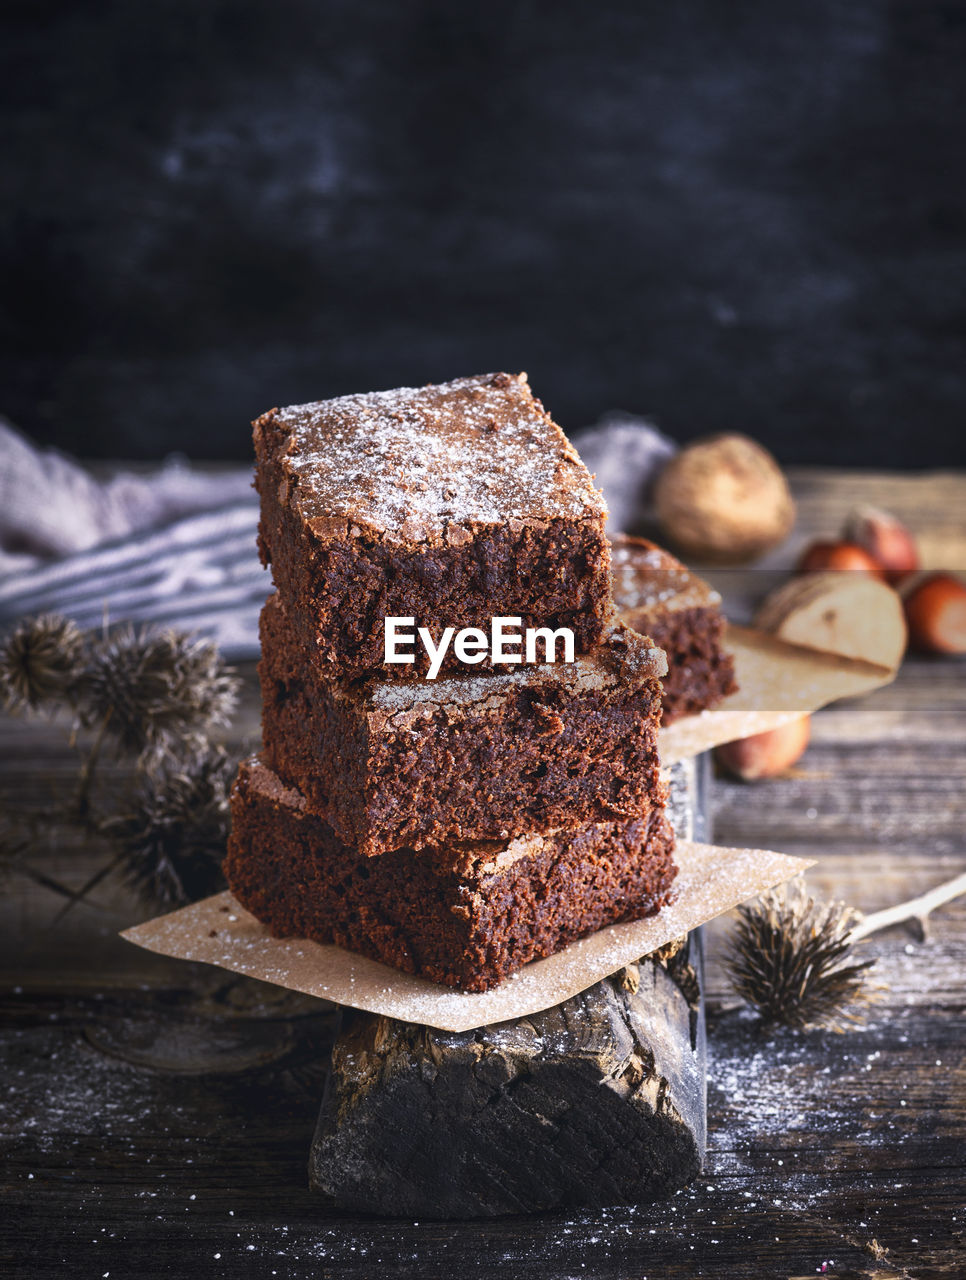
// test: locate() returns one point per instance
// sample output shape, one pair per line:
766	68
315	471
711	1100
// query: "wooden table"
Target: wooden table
156	1116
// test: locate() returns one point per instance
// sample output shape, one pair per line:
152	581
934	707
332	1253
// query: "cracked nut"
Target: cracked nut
851	614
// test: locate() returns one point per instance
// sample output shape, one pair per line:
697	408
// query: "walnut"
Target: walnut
724	500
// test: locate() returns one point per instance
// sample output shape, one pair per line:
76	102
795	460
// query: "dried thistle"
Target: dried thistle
150	689
41	661
171	840
790	958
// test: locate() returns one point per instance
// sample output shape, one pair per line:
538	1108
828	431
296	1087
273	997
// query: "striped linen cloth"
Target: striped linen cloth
200	574
173	547
176	546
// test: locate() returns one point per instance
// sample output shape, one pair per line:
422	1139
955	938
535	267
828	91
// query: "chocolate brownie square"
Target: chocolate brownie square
466	757
466	915
657	594
449	504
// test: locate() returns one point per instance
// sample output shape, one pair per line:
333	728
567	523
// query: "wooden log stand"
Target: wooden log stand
597	1101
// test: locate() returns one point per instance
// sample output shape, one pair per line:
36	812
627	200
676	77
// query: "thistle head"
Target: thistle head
41	661
791	959
152	689
172	832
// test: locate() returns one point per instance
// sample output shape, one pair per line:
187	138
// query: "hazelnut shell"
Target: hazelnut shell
935	607
820	556
765	755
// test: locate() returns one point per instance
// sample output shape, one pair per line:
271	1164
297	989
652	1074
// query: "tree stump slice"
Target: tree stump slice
598	1101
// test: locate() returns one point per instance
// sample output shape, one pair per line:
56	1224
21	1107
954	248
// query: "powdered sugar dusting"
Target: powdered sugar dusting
648	577
421	464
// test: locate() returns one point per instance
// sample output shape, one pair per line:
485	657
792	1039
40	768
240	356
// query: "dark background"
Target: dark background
727	215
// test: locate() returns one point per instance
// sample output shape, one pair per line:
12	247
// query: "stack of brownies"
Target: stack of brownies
458	826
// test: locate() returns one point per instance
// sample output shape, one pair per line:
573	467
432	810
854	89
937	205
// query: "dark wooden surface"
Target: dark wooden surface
156	1117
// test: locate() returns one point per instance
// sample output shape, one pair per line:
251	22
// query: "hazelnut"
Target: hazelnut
820	556
765	755
724	499
886	539
935	605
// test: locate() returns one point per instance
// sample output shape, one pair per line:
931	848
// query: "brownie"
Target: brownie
657	594
465	757
449	504
466	914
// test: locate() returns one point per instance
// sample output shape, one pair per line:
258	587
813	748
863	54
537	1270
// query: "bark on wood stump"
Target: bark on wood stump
598	1101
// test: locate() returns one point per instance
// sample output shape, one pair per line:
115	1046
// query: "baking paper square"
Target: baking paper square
218	931
777	682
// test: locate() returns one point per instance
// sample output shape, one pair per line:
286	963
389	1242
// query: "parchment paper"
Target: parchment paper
218	931
777	682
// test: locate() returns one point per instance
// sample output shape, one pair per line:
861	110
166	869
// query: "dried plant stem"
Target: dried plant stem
917	909
85	780
47	882
80	895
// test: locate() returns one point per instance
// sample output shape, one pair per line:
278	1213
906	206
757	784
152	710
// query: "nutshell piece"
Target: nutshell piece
767	754
448	504
466	915
851	614
598	1101
655	594
410	764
